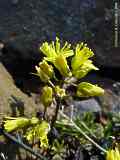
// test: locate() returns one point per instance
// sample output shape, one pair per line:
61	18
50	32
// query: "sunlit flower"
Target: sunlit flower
88	90
44	71
39	132
60	91
83	70
82	53
113	154
12	123
57	55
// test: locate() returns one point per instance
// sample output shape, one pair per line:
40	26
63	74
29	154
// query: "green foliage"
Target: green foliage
85	122
58	150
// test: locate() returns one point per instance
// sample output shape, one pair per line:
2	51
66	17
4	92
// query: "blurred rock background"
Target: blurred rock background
24	25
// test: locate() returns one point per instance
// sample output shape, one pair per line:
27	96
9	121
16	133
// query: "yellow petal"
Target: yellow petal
62	66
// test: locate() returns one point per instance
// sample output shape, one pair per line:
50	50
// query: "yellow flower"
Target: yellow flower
82	53
47	96
60	91
44	71
12	124
83	70
57	55
39	132
88	90
61	64
113	154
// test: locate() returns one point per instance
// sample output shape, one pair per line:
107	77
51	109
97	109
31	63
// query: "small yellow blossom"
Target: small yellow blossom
83	70
15	123
113	154
57	55
82	53
44	71
60	91
39	132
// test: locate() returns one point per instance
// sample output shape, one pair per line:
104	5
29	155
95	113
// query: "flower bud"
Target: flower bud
16	123
62	66
60	91
88	90
45	71
47	96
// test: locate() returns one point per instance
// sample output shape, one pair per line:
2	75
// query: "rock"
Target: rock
12	100
89	105
110	102
25	24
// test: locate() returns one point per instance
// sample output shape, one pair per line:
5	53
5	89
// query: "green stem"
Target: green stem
86	127
83	133
58	100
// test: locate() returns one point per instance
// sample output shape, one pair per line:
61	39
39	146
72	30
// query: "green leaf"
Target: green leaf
82	53
88	90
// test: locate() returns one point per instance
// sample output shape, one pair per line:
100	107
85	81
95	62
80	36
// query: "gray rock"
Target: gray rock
12	100
90	105
25	24
110	102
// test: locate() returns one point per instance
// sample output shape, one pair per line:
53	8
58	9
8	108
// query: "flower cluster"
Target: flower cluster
56	56
35	129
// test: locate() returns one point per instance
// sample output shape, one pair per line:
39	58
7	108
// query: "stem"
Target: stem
86	127
58	100
83	133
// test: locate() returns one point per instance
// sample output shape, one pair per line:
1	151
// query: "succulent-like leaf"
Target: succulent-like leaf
88	90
